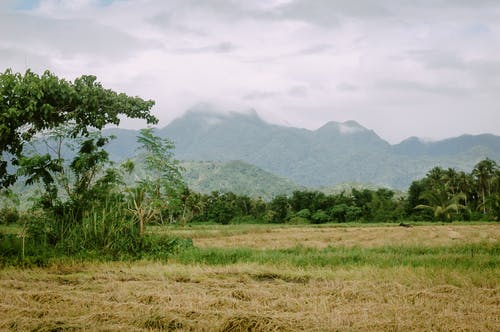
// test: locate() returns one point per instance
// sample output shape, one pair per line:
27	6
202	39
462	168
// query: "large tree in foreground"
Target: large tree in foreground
31	103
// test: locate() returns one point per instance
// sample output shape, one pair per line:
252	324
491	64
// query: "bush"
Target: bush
353	213
9	215
298	221
304	213
245	220
320	217
339	212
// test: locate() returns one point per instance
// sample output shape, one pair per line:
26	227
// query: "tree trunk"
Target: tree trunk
484	202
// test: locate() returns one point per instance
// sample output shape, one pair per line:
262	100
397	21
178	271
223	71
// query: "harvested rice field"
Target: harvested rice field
436	278
262	237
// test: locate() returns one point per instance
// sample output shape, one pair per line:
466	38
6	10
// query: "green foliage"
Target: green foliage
320	217
442	204
245	220
237	177
304	213
9	203
298	221
338	212
162	185
31	104
83	210
451	195
8	215
278	209
106	232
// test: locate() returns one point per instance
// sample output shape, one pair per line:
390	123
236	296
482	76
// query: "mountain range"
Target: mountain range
333	154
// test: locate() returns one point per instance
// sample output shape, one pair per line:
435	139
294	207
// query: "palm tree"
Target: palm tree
441	203
465	184
483	173
435	177
451	180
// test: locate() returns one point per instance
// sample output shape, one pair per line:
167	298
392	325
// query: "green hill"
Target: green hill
237	177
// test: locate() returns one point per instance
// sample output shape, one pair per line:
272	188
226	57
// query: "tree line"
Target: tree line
442	195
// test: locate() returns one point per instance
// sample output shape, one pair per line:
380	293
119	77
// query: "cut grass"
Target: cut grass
153	296
429	278
350	235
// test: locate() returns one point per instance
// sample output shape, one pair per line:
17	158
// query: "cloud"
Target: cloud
316	49
260	95
224	47
67	38
330	13
388	64
299	91
347	87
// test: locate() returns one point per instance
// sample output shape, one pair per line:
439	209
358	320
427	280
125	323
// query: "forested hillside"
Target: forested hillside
237	177
333	154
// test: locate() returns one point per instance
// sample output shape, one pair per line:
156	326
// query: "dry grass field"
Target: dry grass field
263	237
145	295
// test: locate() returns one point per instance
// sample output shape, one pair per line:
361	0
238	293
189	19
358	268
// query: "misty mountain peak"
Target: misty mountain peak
208	115
351	127
347	127
335	153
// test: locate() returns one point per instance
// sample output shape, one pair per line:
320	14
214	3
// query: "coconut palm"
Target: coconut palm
442	203
484	173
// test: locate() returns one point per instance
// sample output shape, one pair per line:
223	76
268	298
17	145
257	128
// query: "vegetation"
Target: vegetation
376	287
237	177
82	208
31	104
320	267
443	195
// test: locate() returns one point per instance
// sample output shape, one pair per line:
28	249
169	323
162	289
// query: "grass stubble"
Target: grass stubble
145	295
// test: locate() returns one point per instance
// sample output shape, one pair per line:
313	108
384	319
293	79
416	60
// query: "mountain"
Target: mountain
237	177
414	146
333	154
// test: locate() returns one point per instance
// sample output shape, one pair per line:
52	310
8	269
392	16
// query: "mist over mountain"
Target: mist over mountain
335	153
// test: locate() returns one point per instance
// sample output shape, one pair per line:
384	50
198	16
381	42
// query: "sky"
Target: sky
427	68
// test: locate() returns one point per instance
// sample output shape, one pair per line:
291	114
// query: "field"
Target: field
274	278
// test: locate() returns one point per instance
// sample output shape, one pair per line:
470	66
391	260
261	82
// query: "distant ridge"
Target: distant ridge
337	152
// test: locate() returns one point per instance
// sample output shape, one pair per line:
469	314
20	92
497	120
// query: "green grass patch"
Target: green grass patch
470	256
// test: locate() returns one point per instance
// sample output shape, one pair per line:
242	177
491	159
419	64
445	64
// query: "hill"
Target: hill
237	177
333	154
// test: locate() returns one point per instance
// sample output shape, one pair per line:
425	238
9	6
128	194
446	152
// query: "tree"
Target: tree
163	185
451	178
435	177
30	104
361	200
441	203
278	209
484	173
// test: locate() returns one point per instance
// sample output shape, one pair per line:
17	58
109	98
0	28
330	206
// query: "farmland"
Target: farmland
265	278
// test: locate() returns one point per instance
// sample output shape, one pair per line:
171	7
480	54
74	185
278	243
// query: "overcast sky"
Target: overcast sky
427	68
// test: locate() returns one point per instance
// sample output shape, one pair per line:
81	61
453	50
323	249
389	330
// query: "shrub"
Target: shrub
245	220
298	221
320	217
304	213
8	215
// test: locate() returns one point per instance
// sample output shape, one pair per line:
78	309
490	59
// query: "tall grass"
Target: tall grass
105	232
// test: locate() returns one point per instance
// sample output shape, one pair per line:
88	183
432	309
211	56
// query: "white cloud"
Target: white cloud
427	68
